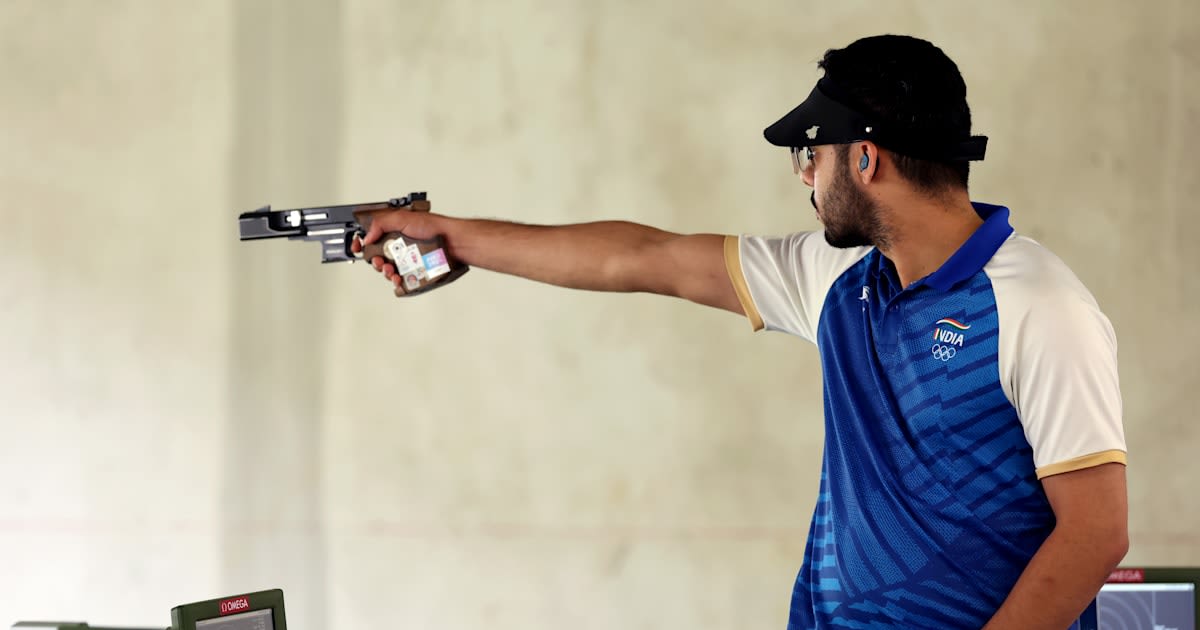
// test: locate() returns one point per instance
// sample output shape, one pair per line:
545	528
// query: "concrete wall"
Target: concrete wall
186	416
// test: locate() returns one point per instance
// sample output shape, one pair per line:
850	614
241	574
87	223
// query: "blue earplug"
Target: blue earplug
863	163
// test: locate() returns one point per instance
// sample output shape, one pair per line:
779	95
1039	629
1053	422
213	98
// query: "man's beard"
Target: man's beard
851	219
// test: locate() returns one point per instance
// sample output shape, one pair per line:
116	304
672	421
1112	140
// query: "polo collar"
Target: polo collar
976	251
970	257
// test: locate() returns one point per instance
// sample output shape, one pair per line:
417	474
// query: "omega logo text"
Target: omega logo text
234	605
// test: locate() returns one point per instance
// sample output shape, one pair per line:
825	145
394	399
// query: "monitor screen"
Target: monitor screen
1158	598
1166	605
255	620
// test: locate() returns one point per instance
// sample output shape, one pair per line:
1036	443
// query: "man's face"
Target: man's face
850	217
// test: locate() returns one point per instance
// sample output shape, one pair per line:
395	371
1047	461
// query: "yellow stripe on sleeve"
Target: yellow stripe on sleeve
1079	463
733	266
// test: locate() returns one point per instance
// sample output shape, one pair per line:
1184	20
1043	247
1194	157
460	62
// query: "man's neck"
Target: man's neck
925	232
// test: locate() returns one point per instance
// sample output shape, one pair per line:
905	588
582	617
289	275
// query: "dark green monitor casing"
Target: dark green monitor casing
185	616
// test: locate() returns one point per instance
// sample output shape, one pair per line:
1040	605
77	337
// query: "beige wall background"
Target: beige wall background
187	416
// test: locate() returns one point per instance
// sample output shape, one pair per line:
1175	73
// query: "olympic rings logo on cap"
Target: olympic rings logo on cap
943	353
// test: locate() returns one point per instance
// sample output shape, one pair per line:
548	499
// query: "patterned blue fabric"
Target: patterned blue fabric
929	506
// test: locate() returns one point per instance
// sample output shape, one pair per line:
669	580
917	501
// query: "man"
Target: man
974	465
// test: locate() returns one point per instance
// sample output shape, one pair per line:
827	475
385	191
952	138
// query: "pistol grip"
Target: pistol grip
423	265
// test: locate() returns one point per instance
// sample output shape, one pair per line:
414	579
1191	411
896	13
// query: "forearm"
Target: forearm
599	256
1060	581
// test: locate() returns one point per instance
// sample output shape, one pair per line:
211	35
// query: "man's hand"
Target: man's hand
415	225
1089	540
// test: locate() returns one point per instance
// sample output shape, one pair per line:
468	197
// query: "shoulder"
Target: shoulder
782	280
799	252
1049	322
1028	276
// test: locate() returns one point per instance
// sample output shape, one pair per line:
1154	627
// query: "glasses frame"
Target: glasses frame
802	159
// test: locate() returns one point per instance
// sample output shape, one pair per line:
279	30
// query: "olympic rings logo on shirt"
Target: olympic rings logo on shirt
943	353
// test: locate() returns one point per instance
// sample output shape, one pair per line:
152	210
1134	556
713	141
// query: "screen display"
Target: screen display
1149	605
255	620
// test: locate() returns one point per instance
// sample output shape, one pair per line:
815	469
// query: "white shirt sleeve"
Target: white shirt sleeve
1058	360
782	281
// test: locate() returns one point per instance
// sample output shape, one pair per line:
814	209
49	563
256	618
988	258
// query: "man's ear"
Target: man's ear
867	160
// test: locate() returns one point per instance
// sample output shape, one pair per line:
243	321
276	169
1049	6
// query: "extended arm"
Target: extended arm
615	256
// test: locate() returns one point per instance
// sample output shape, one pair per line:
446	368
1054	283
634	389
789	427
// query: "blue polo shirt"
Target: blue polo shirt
945	404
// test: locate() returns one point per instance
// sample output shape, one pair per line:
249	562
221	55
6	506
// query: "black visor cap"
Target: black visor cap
821	119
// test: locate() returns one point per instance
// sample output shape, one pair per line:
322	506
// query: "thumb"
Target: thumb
373	234
387	222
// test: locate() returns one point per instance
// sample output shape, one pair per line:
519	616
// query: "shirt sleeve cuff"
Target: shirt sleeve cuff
1079	463
733	266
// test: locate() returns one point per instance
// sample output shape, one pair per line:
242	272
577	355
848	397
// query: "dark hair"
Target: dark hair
912	85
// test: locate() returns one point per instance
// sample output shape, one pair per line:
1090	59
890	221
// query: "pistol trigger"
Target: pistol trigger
350	237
